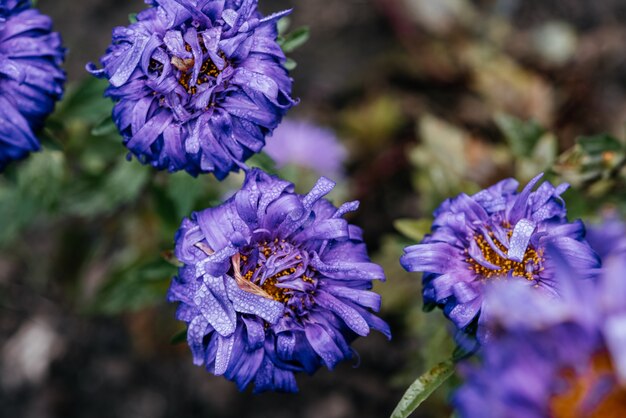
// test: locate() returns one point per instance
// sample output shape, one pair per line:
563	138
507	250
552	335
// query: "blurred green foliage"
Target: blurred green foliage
290	41
82	182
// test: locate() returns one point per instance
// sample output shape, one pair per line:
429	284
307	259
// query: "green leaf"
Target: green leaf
414	229
134	288
41	177
179	337
598	144
283	24
132	17
294	40
184	191
290	64
85	102
521	135
14	214
121	185
105	127
263	161
34	191
422	388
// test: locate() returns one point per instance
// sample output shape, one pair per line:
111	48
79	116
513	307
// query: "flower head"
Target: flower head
198	84
496	234
31	78
555	357
307	145
274	283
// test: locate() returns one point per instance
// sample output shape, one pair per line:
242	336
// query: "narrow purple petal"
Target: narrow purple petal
224	352
212	301
348	314
323	345
519	241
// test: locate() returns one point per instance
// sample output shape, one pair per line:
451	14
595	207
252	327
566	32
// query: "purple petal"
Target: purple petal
212	300
518	210
348	314
520	239
223	355
323	345
196	331
249	303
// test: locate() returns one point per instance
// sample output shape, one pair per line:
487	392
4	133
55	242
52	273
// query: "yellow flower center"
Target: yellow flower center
528	267
208	70
251	281
185	66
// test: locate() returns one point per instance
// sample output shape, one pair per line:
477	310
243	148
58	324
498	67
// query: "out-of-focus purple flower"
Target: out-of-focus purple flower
496	234
198	84
274	283
31	79
553	357
307	145
608	238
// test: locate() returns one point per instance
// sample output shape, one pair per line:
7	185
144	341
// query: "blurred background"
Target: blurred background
425	99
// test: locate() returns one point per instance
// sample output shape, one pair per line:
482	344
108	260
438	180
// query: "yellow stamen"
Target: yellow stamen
185	66
516	268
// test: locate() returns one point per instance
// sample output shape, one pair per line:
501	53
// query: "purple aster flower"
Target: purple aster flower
274	283
198	84
496	234
608	238
31	79
307	145
553	357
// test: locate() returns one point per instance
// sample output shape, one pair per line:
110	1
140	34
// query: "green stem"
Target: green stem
421	389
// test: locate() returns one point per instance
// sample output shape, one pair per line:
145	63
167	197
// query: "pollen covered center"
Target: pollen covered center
576	402
276	270
497	264
208	70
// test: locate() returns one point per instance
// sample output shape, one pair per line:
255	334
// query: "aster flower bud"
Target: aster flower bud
198	84
31	77
274	283
496	234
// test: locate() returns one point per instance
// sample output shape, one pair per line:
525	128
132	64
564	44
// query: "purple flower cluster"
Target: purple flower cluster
274	283
497	234
198	84
554	357
31	78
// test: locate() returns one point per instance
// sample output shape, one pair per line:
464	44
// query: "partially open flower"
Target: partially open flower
496	234
31	78
274	283
197	84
